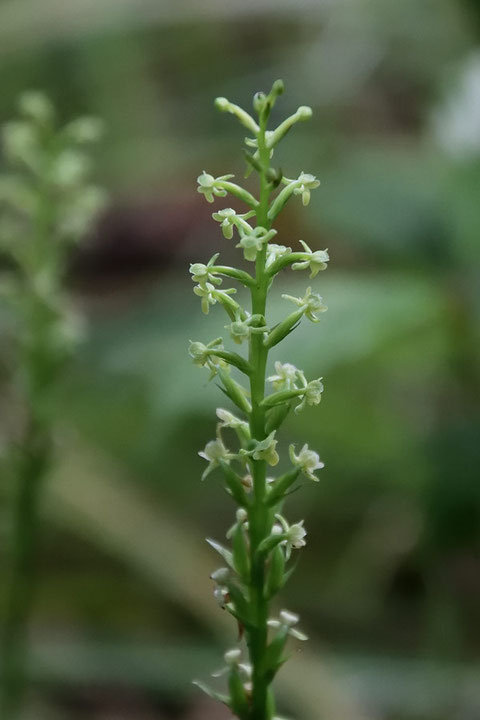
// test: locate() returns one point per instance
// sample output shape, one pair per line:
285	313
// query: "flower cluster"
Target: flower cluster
261	540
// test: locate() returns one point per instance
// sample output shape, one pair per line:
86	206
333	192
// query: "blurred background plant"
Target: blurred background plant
46	205
390	589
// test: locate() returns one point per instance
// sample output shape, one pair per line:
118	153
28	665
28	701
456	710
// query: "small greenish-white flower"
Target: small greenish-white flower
311	302
233	657
211	186
214	451
85	130
220	575
295	534
307	183
204	355
210	295
307	460
202	273
285	376
242	327
207	293
265	450
201	353
286	621
221	595
229	219
226	218
312	394
70	169
230	420
36	106
316	261
239	330
247	481
20	142
253	242
241	518
274	252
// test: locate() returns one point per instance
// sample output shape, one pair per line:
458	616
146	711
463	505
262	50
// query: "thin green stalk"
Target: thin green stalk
262	539
48	204
259	514
32	465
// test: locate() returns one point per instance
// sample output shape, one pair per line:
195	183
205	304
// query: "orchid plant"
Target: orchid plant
255	565
47	203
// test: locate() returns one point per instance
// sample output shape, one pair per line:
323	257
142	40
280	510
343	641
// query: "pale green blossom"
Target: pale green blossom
228	419
316	261
253	242
285	376
215	451
210	187
286	621
295	534
204	355
242	327
210	295
306	183
311	302
229	219
274	252
312	394
264	450
307	460
202	274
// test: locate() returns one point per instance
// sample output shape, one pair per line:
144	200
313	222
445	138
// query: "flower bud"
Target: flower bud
259	102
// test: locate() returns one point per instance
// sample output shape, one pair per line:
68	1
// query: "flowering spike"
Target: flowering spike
262	540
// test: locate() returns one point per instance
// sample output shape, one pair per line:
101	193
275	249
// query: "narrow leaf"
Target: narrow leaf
226	554
212	693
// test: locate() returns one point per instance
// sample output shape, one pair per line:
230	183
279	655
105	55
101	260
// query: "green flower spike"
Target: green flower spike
48	203
261	540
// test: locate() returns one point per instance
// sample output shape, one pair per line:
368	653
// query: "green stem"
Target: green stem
33	460
32	464
259	513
